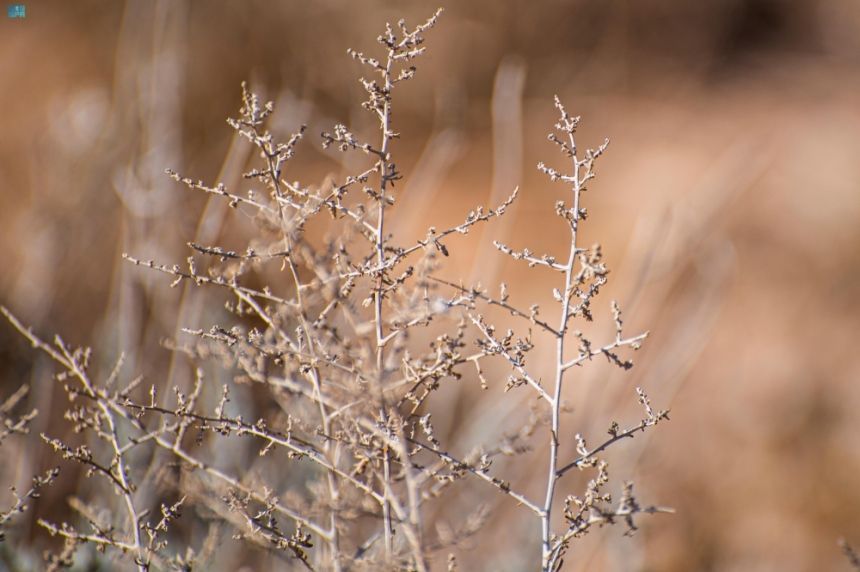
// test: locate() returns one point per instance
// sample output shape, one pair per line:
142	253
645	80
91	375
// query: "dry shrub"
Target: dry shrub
307	429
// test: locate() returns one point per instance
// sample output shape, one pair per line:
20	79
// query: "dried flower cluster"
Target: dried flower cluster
335	345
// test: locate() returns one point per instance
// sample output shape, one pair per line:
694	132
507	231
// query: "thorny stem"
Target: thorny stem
626	434
502	486
274	160
401	49
331	476
121	478
377	299
555	403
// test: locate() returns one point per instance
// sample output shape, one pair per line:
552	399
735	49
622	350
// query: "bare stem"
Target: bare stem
555	403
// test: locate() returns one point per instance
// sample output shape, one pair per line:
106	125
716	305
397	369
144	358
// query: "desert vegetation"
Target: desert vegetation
331	335
343	339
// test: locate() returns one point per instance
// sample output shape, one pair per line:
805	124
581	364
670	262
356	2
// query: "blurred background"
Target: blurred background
728	207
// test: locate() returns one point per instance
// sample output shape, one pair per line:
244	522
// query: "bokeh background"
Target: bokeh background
728	206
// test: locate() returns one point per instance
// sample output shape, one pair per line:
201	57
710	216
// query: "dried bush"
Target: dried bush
325	363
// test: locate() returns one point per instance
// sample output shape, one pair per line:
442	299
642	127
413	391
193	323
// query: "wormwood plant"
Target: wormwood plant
331	364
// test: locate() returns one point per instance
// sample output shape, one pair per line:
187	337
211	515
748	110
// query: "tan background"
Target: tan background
728	207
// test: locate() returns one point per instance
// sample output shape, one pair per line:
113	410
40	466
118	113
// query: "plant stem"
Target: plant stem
547	548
